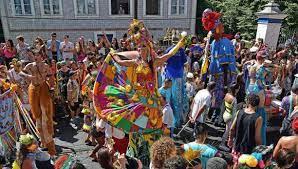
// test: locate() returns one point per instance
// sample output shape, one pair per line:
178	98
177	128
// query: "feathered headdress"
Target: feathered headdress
210	19
139	34
191	155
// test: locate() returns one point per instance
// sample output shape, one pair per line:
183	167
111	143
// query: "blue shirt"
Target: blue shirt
167	93
49	53
175	64
196	49
207	151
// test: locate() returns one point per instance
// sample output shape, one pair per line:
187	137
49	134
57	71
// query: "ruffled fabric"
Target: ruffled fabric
127	97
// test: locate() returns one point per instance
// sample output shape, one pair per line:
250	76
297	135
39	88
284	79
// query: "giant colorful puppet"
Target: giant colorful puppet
175	71
222	68
126	92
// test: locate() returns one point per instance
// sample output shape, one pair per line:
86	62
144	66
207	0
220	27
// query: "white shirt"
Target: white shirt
22	51
203	97
190	91
68	46
111	131
14	76
168	116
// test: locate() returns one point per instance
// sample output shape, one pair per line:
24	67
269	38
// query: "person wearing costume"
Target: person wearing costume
31	156
256	84
175	70
126	92
40	100
222	68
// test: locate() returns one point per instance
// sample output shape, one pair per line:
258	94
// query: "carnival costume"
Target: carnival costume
258	87
222	68
42	111
127	96
175	70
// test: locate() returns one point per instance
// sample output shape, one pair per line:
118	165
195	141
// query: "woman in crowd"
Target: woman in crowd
9	52
230	109
40	46
115	44
127	88
103	45
81	49
30	156
91	47
257	85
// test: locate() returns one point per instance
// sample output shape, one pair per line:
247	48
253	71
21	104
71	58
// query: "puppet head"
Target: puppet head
211	22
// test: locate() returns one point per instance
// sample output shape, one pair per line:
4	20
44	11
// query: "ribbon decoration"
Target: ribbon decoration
26	116
8	127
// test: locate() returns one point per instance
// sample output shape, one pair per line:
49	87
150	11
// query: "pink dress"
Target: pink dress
9	54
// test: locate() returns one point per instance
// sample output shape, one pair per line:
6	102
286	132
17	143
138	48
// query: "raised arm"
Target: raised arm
121	62
160	60
26	72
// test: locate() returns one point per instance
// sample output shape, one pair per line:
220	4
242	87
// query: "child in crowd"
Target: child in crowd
73	92
190	88
87	126
167	117
166	90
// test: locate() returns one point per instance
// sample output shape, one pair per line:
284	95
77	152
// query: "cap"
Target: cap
189	75
216	163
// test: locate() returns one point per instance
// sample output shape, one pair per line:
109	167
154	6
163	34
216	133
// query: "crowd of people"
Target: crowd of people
60	76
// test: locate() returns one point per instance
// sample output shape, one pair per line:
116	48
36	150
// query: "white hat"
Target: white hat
189	75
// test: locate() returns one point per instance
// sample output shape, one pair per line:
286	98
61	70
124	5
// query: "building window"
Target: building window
23	7
120	7
177	7
85	7
51	7
153	7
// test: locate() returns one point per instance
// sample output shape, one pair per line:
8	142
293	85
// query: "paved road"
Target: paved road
68	138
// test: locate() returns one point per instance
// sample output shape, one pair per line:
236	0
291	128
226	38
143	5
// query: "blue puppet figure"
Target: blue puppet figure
222	68
175	71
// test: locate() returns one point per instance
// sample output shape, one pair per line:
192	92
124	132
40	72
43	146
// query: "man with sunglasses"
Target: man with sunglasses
53	47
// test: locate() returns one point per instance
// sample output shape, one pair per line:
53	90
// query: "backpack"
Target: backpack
286	128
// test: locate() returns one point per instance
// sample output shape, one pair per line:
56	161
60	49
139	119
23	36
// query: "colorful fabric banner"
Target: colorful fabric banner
6	112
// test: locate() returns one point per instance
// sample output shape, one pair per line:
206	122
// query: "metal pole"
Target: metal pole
135	9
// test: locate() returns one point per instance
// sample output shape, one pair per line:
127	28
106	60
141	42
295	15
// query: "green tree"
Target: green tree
240	15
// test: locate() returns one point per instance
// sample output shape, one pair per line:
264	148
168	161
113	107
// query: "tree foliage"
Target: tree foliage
240	15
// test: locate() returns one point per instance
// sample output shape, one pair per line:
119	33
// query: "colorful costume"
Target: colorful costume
257	88
42	110
174	71
222	68
127	97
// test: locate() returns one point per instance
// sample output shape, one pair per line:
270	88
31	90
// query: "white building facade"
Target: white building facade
32	18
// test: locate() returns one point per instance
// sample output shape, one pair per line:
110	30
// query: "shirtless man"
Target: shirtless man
289	142
40	100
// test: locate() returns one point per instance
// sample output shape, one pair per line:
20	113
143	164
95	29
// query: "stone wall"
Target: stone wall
68	23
